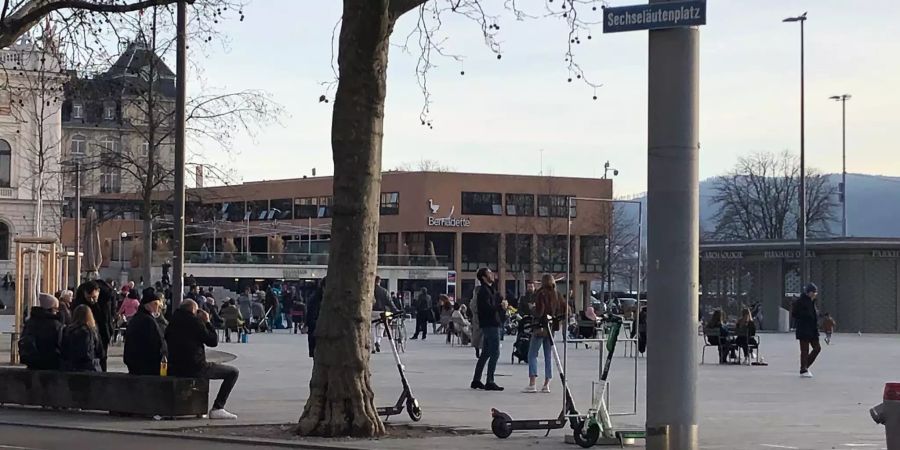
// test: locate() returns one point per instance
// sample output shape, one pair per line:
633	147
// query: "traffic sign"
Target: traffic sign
654	16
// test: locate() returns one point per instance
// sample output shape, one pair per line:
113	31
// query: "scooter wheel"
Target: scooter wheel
414	411
501	425
586	433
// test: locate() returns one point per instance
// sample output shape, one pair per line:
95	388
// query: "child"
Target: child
828	325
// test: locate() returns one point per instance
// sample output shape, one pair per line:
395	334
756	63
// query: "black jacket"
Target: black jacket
490	313
104	311
44	330
423	303
81	349
382	300
806	319
145	344
186	337
312	309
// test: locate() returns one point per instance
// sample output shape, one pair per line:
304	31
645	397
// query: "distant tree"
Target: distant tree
422	165
759	199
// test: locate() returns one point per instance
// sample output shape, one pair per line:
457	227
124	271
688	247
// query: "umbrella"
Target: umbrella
91	246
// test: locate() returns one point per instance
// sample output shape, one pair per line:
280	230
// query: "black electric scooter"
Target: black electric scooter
406	397
503	425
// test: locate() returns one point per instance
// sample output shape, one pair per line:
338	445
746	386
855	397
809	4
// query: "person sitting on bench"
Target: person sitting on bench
186	336
234	321
145	343
39	347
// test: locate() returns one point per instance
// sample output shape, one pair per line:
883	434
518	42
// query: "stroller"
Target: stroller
523	340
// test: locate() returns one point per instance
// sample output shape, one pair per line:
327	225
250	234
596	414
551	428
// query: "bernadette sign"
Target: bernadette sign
450	222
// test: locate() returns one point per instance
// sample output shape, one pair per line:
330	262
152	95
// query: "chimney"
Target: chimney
314	171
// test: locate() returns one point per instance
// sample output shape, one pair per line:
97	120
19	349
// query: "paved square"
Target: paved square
741	407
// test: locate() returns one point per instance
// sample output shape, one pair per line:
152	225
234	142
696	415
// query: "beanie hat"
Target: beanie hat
48	301
810	288
149	296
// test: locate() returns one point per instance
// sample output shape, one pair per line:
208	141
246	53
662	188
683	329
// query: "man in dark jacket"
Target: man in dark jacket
806	325
100	298
39	346
491	315
423	314
145	343
186	336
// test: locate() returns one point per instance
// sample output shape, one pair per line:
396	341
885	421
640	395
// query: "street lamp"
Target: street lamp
802	218
607	169
843	99
121	259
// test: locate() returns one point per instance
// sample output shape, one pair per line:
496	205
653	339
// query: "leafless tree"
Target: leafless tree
422	165
759	199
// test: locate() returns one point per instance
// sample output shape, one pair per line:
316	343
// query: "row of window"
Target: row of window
107	145
288	209
491	204
109	111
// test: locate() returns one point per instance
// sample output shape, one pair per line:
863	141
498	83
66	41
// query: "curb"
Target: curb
260	442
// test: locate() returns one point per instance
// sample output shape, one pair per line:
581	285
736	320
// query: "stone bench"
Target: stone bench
117	393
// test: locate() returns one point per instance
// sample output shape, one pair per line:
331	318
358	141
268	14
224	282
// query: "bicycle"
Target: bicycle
398	329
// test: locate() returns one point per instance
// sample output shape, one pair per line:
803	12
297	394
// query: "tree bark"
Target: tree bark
341	400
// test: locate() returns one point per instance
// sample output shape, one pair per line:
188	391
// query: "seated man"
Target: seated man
233	319
145	343
258	317
186	336
39	347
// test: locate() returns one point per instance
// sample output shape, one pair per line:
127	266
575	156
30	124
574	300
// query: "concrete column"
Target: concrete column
457	257
535	269
501	263
673	238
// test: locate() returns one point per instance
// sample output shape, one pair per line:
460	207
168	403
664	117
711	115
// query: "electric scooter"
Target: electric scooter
597	425
406	397
503	425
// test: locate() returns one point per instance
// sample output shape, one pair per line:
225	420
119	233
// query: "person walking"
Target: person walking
423	313
186	337
548	306
806	326
312	316
39	346
298	312
82	348
145	343
491	311
828	326
380	304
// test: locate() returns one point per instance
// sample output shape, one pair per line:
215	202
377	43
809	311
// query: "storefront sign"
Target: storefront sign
291	274
451	277
449	222
722	255
886	253
415	274
787	254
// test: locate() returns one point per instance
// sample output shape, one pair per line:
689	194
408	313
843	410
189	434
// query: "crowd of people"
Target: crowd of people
73	332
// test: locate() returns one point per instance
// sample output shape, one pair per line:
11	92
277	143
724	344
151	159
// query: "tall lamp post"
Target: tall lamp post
802	216
122	236
843	99
609	244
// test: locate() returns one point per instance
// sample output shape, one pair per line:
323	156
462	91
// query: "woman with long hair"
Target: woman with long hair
745	332
548	305
82	349
715	323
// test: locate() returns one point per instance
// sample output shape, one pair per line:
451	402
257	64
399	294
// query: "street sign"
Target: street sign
654	16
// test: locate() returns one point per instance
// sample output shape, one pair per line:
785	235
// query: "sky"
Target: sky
508	115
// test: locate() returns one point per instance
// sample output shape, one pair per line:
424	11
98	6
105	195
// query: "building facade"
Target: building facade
515	225
118	125
30	192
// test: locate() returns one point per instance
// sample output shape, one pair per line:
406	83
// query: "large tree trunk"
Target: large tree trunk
341	400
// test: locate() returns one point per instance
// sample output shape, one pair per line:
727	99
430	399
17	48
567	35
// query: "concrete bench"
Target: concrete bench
117	393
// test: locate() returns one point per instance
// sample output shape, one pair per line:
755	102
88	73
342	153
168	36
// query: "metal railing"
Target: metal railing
309	259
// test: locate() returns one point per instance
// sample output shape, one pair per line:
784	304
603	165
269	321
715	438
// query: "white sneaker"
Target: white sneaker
221	414
806	374
545	390
529	390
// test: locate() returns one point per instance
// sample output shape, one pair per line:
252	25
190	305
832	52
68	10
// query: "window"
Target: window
77	110
520	204
109	146
144	149
387	244
305	208
390	203
479	250
482	203
4	242
109	111
5	164
282	209
593	254
233	211
78	146
110	179
325	206
554	206
518	252
552	253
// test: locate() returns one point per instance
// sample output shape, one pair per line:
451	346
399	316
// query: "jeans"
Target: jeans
490	353
228	374
377	328
533	347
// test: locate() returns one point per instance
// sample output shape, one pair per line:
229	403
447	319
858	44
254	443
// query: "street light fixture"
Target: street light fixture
843	99
121	258
607	169
802	217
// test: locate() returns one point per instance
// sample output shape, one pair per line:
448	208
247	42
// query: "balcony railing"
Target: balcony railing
309	259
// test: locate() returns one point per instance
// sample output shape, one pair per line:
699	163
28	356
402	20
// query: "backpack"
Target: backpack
28	349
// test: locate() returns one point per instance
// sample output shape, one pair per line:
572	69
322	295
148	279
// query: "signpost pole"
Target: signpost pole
673	237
